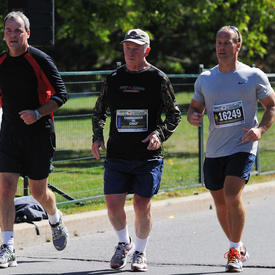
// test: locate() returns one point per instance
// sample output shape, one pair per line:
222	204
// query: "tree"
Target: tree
3	12
182	32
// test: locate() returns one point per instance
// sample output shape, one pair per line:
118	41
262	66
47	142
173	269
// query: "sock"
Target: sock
123	235
54	219
141	244
8	239
235	245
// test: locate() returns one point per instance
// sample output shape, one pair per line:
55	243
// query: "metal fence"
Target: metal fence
78	177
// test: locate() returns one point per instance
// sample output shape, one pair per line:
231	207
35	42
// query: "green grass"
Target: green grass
82	176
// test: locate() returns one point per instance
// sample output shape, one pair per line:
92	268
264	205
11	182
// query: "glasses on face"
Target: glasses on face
235	29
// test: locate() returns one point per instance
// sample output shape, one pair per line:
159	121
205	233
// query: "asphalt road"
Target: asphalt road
185	239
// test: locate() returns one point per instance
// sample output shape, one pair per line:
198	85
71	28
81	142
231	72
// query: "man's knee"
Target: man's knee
6	192
8	187
142	205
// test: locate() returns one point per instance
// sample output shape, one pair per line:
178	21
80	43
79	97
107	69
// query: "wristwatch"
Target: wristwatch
38	116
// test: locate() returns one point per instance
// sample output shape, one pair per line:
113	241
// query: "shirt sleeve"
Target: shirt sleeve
99	115
171	110
263	87
53	75
198	95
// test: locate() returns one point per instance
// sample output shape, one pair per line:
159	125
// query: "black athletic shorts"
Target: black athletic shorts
29	155
216	169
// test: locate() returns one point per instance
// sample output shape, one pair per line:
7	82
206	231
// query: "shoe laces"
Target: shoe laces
120	250
57	231
138	257
3	249
232	255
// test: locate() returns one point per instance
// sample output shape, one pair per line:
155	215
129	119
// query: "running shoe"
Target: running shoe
244	253
60	234
123	250
234	261
7	257
139	262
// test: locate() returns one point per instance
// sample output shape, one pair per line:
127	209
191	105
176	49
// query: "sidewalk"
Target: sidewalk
96	221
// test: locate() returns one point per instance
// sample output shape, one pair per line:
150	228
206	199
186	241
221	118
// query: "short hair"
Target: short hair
234	29
18	14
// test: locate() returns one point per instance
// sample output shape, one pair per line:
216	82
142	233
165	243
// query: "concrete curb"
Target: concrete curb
97	221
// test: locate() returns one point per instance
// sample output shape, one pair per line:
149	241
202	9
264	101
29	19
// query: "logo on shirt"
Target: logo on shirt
131	89
242	81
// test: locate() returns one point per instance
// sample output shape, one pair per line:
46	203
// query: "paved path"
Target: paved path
185	239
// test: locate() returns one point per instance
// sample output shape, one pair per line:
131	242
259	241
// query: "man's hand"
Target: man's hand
154	141
195	119
195	113
252	134
28	116
95	148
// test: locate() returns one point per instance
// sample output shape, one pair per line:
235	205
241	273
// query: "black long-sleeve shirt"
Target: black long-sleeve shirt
136	101
27	82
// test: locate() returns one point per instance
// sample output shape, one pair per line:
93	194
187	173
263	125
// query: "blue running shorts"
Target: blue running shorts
216	169
140	177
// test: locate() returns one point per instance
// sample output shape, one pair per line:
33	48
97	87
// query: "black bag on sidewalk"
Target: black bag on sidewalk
29	210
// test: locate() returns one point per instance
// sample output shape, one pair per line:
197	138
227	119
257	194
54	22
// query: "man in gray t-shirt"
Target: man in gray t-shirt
229	93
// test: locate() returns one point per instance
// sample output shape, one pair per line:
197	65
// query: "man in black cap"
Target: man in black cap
136	94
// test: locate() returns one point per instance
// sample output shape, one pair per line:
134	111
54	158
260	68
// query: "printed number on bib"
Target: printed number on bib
229	114
132	120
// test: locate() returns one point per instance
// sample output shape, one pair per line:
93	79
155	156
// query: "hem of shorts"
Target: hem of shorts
229	154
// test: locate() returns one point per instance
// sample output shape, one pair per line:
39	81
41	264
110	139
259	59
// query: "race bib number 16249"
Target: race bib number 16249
229	114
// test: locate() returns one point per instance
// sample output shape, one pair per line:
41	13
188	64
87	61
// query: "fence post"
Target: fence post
26	186
201	141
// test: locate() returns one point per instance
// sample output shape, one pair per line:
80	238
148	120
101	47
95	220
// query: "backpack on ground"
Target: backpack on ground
29	210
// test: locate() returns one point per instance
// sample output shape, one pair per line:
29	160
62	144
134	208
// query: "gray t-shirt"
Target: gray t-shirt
231	101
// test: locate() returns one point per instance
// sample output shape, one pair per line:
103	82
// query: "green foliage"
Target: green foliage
3	11
182	32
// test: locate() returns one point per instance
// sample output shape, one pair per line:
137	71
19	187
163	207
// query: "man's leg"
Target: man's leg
221	210
117	216
235	214
143	216
233	187
116	213
148	177
230	208
8	187
40	191
143	226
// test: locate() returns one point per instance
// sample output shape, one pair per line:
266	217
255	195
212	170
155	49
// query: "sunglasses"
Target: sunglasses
237	31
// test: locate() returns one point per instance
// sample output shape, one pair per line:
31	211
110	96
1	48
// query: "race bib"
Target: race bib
229	114
132	120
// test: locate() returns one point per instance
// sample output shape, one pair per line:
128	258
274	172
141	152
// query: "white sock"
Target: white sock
235	245
54	219
123	235
141	244
8	239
